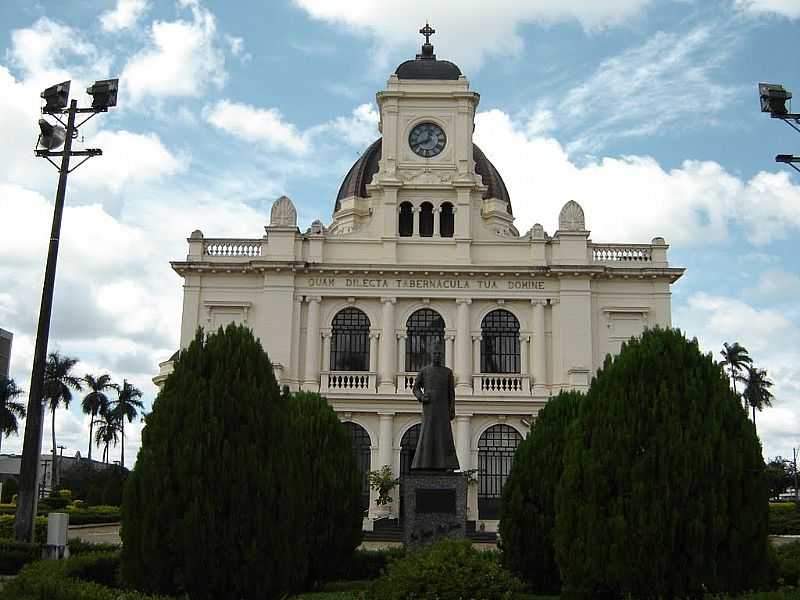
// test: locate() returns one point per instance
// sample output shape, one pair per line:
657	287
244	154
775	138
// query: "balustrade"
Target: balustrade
405	382
347	381
232	247
622	253
501	384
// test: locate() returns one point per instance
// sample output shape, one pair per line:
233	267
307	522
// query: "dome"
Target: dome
428	68
360	174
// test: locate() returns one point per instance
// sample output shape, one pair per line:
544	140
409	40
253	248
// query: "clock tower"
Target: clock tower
425	178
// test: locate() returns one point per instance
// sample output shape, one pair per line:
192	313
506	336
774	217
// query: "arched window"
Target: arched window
500	343
361	447
496	449
406	226
426	220
447	222
408	447
424	328
350	341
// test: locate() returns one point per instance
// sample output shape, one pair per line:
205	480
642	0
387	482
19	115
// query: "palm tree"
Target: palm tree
58	385
96	401
127	406
10	409
737	359
107	431
756	392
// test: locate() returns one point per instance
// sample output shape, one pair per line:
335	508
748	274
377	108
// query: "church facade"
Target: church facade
423	250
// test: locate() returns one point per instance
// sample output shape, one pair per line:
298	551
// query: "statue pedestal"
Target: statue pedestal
435	506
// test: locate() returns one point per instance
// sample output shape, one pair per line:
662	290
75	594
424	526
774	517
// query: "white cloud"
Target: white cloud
359	129
467	32
785	8
644	89
124	15
259	125
128	159
775	285
48	45
691	205
181	59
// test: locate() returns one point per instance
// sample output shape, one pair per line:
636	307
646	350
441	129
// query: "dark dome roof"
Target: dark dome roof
426	68
360	174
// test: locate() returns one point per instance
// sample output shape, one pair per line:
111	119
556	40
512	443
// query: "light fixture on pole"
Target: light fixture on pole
775	101
51	138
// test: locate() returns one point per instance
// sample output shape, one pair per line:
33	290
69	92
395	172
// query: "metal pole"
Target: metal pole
796	491
32	446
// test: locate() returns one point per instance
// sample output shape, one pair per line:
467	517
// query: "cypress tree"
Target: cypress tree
528	511
217	504
663	492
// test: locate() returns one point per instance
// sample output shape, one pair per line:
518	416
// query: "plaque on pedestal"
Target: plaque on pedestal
435	504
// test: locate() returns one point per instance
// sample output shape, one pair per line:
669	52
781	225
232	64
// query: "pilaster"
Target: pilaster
387	381
463	372
312	363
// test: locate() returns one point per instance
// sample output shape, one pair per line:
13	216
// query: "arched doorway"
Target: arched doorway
496	448
350	341
363	451
408	446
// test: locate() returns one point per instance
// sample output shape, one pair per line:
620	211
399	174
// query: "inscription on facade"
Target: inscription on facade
425	283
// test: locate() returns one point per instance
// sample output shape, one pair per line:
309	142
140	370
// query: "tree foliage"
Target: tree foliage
11	409
256	488
663	492
528	511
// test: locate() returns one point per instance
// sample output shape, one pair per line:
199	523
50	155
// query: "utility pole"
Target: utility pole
104	94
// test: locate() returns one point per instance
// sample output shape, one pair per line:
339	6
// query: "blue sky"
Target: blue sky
644	111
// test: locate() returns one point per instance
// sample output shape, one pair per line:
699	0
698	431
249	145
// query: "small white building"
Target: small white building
422	247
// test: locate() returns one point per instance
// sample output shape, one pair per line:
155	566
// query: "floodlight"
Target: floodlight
773	98
56	97
104	93
52	135
787	158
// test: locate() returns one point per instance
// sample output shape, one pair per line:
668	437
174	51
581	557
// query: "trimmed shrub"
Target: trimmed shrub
784	519
7	528
448	570
66	494
528	512
14	555
290	481
53	503
79	546
79	504
368	564
10	489
787	563
94	484
663	492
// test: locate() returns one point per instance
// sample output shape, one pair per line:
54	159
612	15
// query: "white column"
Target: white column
436	212
415	212
401	352
311	376
476	354
373	351
523	354
294	358
326	351
385	444
387	347
448	351
462	440
539	360
463	370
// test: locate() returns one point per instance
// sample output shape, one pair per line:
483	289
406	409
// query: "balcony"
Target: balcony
356	382
405	382
501	384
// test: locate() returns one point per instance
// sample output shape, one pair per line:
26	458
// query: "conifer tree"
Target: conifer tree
220	501
663	492
528	511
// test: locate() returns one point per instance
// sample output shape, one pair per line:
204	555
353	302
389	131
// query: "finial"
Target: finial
427	47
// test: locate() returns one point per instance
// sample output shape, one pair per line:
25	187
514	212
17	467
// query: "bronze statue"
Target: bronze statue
435	388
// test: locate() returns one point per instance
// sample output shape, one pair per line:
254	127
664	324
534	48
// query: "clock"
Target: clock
427	139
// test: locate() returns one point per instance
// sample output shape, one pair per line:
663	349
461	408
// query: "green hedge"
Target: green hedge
15	555
368	564
787	563
7	528
784	519
59	580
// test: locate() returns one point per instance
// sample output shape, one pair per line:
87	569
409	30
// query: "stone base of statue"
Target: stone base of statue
435	507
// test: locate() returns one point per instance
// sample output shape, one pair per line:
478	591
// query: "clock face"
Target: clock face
427	139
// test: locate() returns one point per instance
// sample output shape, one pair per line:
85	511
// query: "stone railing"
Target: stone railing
501	384
405	382
622	253
347	381
231	247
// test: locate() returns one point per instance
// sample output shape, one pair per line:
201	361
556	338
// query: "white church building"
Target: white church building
422	248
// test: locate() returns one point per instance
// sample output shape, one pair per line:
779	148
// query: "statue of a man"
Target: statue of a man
435	388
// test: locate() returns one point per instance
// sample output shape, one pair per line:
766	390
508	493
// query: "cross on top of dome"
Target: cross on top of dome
427	47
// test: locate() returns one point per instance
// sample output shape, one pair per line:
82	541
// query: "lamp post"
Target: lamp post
104	95
774	100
